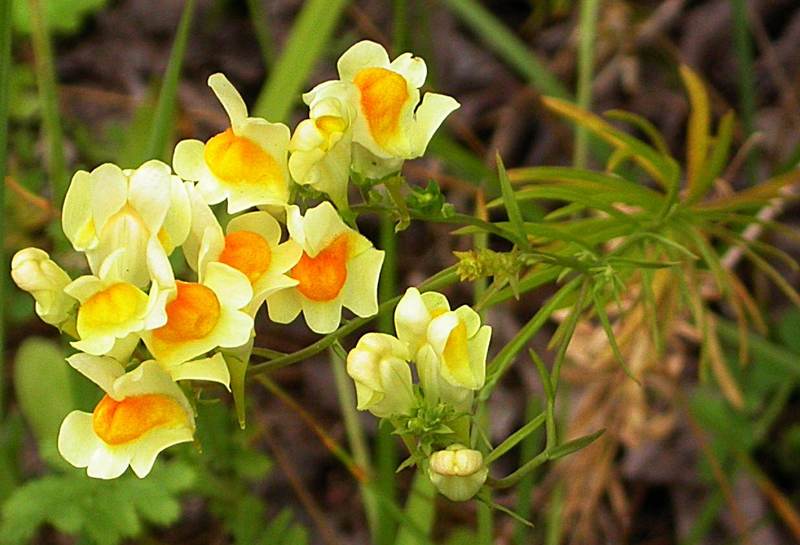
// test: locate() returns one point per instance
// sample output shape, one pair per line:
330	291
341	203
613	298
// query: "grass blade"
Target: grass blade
48	95
507	46
163	119
305	45
263	32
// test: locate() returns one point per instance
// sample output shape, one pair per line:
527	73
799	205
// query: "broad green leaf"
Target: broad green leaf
307	43
698	129
44	393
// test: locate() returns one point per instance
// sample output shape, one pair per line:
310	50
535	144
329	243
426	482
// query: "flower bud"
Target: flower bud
457	472
379	367
33	271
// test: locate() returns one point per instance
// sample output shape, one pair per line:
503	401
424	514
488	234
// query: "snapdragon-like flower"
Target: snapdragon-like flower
321	145
457	472
450	343
245	164
142	413
113	309
392	123
379	367
33	271
111	208
251	244
202	316
339	268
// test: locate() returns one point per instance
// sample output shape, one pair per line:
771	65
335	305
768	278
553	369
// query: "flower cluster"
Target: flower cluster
140	331
448	348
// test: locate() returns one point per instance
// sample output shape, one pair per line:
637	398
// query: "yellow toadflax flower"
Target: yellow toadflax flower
392	123
33	271
113	310
339	267
379	367
448	343
111	208
321	145
202	316
252	246
457	472
142	413
245	164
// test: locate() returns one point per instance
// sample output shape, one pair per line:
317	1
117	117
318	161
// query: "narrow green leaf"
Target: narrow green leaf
698	129
662	168
512	440
716	162
599	308
507	46
420	509
238	371
307	42
511	204
573	446
503	360
644	125
163	119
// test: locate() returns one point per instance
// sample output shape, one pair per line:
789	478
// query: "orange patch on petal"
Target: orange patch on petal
321	277
238	160
119	422
192	315
383	95
247	252
110	307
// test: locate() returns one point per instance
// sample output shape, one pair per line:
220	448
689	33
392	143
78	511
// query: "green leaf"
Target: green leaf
511	204
573	446
63	16
662	168
306	44
43	389
698	129
238	370
163	119
105	511
512	440
715	164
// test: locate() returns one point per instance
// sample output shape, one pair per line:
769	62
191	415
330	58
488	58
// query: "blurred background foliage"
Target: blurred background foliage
703	449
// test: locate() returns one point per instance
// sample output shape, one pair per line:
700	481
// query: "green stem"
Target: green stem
48	96
441	279
163	118
355	434
588	33
5	78
525	486
385	451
